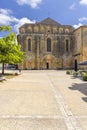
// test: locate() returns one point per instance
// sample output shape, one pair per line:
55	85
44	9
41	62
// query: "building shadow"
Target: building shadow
79	77
84	99
82	88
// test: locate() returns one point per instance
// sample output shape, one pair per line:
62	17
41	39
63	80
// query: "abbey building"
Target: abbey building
50	45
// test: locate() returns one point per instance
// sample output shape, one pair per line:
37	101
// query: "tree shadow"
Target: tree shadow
82	88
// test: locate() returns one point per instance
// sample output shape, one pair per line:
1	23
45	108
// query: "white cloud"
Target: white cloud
84	2
72	7
5	11
21	22
7	19
77	26
83	19
32	3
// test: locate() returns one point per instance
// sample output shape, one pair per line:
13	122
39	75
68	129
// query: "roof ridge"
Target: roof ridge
49	21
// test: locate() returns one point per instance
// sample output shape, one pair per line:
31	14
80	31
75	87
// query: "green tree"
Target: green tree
5	28
10	51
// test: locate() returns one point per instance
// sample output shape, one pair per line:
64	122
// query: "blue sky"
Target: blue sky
66	12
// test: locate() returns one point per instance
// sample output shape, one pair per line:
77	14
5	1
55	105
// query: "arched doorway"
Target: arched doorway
49	62
47	65
75	65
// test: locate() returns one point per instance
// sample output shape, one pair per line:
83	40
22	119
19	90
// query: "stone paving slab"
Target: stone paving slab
83	122
74	92
27	103
45	100
32	124
26	96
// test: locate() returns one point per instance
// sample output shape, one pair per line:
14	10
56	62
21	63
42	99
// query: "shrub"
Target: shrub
16	73
68	72
75	74
80	72
83	73
84	76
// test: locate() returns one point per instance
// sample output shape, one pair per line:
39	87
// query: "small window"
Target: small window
49	45
29	44
67	45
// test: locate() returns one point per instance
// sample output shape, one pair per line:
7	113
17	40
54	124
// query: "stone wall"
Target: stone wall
39	57
84	42
81	43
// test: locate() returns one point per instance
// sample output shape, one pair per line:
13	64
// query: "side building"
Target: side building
80	50
50	45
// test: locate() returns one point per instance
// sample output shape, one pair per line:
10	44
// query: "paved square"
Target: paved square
43	100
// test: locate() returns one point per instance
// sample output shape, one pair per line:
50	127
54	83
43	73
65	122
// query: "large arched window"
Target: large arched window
67	45
29	44
48	44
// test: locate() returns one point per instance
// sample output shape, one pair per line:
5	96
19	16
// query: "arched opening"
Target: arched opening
29	44
49	62
47	65
67	45
48	45
75	65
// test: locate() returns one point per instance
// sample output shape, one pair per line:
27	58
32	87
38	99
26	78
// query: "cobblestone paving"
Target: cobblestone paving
41	100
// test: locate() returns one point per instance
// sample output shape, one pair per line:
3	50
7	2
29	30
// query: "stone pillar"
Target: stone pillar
37	52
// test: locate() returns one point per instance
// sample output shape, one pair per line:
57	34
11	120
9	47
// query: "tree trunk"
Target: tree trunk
3	68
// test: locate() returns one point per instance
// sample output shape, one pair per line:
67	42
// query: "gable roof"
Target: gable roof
49	21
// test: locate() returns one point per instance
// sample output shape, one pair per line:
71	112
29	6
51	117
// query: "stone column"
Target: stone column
38	52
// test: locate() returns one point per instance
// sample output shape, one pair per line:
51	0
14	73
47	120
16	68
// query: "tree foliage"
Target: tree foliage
5	28
10	51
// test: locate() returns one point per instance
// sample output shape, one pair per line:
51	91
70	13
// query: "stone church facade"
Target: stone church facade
50	45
